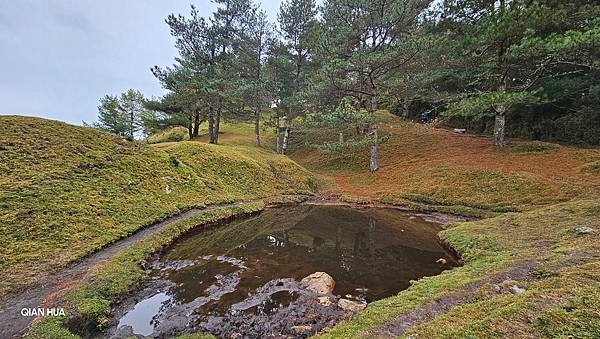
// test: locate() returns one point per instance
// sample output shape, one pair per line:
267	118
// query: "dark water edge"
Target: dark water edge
242	278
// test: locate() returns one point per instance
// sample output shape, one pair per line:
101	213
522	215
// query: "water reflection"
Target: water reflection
249	265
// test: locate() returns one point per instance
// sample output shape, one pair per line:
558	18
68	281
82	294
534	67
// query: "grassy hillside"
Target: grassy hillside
420	165
66	191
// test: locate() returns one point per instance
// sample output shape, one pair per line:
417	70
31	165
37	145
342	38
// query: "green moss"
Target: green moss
50	328
563	300
68	191
90	304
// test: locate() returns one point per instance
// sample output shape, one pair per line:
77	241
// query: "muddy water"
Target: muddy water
242	278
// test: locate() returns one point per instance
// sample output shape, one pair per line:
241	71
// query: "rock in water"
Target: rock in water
583	230
352	306
319	282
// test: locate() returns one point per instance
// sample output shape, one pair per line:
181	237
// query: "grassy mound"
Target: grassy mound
453	172
170	135
67	191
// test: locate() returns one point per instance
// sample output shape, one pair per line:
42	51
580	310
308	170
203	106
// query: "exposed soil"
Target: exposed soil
44	293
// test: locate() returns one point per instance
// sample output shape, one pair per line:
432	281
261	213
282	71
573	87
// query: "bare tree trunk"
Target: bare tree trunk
374	161
499	124
196	124
190	128
277	134
405	106
211	126
257	125
217	123
501	108
286	135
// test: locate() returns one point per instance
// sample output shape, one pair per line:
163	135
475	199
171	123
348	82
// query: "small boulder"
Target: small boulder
583	230
301	329
460	130
319	282
514	289
351	306
441	261
325	301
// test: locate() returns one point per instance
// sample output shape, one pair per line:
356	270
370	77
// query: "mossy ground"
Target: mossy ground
562	294
420	165
534	195
173	134
67	191
89	305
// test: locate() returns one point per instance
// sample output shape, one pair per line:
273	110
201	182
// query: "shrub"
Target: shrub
170	135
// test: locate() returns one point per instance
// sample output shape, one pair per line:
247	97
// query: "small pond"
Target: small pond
243	277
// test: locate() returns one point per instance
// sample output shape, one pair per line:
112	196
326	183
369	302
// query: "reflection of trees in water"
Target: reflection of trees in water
365	243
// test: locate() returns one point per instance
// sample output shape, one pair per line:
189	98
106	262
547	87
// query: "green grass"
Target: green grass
67	191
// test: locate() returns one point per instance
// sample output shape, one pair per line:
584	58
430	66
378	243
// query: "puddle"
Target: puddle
243	277
140	318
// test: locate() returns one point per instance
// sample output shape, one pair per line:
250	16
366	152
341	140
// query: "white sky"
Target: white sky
58	57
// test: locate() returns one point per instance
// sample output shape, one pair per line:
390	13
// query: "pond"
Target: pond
244	277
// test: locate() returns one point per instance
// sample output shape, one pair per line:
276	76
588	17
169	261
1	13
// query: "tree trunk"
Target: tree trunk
405	106
374	161
499	124
196	124
211	126
277	134
286	135
257	126
501	108
217	124
190	128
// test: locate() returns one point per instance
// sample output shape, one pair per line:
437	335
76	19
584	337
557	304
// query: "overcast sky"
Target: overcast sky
58	57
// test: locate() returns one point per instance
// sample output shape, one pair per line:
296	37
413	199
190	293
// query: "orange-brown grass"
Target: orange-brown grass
420	164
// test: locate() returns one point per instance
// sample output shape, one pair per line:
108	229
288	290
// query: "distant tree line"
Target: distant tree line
528	68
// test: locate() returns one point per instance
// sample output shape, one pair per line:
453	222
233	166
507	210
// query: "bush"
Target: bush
174	134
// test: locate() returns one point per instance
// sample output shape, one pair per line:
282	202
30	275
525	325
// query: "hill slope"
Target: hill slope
420	165
66	191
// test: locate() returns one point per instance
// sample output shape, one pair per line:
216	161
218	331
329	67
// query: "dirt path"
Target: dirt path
13	324
420	315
